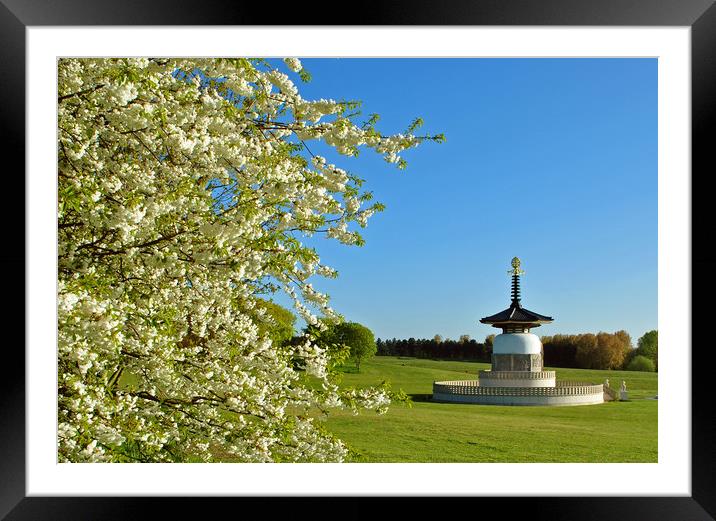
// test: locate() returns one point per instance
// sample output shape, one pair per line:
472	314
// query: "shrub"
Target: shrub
641	363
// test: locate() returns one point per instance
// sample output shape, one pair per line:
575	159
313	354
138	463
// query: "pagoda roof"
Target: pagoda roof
516	314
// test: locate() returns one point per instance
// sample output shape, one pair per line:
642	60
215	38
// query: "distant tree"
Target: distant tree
560	350
437	339
274	320
464	339
641	363
648	346
624	338
601	351
489	339
631	353
586	347
358	338
612	350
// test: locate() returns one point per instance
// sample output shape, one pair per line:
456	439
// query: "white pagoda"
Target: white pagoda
517	376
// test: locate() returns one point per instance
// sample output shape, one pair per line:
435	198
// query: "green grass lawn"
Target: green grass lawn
439	432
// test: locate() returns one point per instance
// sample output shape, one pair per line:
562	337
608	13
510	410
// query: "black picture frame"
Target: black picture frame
699	15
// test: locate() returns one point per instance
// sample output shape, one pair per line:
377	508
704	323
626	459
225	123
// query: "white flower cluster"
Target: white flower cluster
176	207
121	94
294	64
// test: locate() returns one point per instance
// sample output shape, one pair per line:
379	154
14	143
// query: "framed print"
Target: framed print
39	482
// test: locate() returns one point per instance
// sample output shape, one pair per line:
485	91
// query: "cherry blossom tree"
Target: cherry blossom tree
186	189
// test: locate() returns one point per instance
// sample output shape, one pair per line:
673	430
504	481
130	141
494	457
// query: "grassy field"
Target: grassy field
439	432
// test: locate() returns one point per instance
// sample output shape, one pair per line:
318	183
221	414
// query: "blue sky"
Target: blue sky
550	160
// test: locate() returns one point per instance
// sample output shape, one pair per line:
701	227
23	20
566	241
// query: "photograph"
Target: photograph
424	256
274	259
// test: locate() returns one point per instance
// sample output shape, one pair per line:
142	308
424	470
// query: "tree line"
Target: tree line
586	351
462	349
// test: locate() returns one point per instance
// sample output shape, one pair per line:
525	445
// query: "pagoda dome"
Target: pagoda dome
516	344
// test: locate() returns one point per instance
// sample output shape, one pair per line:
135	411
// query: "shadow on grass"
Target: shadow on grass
421	397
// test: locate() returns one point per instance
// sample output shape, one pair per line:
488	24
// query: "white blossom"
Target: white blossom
294	64
175	207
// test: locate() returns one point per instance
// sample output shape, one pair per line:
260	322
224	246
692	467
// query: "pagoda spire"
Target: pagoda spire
516	272
516	316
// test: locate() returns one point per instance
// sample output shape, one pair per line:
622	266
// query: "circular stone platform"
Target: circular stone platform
563	393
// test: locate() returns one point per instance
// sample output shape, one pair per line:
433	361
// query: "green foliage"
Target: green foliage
304	75
372	120
338	353
358	338
417	123
278	322
648	346
641	363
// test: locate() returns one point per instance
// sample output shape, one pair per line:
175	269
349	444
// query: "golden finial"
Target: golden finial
516	267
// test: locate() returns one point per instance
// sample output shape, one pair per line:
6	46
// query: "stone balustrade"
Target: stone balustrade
472	387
